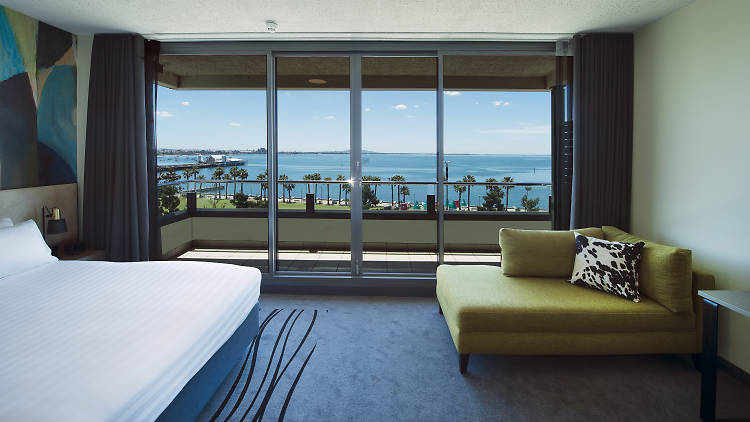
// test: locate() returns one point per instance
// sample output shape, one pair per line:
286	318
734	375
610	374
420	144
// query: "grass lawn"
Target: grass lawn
225	203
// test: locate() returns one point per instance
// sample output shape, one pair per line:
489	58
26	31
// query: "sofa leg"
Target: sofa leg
697	358
463	362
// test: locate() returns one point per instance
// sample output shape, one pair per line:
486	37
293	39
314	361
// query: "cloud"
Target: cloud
452	93
501	103
527	130
331	117
400	107
234	124
368	109
164	114
185	103
416	106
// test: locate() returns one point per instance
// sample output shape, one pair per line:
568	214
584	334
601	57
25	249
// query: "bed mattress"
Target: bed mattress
102	341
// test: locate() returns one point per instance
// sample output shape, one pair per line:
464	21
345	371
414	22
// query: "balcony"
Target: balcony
203	222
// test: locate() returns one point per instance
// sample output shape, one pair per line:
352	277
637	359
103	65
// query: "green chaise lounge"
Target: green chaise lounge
527	306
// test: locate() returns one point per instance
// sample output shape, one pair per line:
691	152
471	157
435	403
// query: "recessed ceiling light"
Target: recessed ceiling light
316	81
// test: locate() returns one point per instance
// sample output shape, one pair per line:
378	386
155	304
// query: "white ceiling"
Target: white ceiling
348	19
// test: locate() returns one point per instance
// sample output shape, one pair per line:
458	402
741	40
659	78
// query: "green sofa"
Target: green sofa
527	306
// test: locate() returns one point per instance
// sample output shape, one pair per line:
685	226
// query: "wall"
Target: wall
299	233
37	103
691	146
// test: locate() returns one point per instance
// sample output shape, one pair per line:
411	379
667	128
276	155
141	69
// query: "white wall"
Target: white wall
691	169
83	68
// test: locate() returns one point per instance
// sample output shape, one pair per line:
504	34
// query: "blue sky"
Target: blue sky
476	122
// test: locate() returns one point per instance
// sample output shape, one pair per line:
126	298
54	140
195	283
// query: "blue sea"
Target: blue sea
413	167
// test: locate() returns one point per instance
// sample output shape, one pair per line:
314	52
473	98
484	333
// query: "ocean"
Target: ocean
413	167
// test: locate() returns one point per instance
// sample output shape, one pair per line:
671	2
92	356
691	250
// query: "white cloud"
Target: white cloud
452	93
527	130
164	114
331	117
368	109
416	106
400	107
501	103
234	124
185	103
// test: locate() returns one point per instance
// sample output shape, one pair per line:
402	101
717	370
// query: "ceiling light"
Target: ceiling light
271	25
316	81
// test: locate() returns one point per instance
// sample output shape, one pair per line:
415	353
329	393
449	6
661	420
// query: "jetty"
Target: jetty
204	162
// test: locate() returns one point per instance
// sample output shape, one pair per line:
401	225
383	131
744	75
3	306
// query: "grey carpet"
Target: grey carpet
392	359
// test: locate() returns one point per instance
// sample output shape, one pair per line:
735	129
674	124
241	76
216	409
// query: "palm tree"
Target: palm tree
404	191
306	177
234	172
188	173
328	194
227	177
200	177
396	178
468	178
283	187
218	173
460	189
507	179
290	187
316	176
347	190
340	177
242	174
262	176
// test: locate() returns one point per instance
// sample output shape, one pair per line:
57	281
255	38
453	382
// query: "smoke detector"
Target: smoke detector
271	26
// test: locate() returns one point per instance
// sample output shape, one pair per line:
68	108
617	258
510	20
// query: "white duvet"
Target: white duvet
100	341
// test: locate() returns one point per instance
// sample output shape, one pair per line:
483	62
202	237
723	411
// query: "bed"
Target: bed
102	341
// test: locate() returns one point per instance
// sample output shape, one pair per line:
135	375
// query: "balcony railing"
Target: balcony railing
314	196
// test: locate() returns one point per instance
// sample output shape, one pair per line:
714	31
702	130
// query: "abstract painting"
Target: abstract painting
37	103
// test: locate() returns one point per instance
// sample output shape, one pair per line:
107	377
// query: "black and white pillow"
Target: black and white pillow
611	267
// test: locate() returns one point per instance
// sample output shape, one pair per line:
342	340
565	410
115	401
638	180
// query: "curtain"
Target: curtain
118	171
152	69
603	130
562	144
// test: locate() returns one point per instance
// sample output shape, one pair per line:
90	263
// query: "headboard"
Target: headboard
26	203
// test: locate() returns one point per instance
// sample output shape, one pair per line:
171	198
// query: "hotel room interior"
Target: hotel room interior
463	210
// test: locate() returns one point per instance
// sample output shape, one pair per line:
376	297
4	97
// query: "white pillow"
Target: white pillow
5	222
22	248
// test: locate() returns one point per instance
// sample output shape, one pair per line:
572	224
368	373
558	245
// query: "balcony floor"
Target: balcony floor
339	261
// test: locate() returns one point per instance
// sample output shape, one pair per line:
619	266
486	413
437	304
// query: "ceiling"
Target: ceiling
460	72
348	19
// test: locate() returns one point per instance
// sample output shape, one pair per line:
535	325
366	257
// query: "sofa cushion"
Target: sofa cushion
540	253
665	274
478	298
611	267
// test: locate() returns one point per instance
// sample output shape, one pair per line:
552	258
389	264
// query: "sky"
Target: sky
476	122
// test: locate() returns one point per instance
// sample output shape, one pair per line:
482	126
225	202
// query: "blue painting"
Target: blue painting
37	103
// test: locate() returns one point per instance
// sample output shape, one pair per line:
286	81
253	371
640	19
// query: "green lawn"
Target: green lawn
225	203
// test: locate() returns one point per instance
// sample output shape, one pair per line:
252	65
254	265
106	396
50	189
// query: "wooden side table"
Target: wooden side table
735	300
84	255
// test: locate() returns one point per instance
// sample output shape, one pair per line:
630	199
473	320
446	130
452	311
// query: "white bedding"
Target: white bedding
101	341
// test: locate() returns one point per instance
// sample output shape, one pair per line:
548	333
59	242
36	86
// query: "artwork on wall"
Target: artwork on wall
37	103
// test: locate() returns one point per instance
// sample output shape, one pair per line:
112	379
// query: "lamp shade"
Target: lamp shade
56	226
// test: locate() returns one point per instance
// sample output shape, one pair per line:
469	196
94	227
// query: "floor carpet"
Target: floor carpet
332	358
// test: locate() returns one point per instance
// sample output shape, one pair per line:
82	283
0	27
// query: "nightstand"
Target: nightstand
84	255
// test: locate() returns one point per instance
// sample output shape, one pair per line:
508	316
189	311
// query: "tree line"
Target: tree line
169	200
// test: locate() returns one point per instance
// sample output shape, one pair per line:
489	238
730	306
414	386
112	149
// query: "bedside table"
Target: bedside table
84	255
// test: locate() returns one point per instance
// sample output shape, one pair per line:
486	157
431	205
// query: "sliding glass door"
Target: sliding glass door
313	189
399	228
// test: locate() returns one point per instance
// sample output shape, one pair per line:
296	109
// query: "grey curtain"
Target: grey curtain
117	177
602	130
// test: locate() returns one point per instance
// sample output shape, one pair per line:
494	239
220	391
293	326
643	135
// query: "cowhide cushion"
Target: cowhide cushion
611	267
